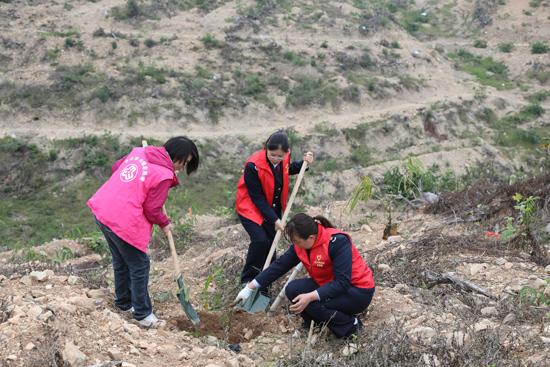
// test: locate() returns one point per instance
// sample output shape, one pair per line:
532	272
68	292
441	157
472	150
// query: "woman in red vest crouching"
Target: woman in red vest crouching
341	284
262	193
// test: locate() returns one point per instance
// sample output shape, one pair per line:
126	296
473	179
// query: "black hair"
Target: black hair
180	148
302	225
278	140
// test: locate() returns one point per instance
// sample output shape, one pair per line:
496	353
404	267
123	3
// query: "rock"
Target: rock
11	357
34	311
456	339
49	286
213	365
115	354
366	228
473	269
39	276
37	293
509	319
30	346
484	324
96	293
46	316
545	340
277	349
500	261
2	278
430	360
127	364
83	303
430	197
248	334
72	280
489	311
232	362
72	356
547	291
26	280
547	268
384	268
182	356
394	239
350	349
401	288
539	284
508	266
211	340
49	273
134	351
423	333
547	229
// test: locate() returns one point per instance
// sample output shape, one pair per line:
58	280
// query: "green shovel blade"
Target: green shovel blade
257	302
183	296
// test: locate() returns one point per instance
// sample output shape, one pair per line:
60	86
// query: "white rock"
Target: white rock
500	261
545	340
96	293
424	333
49	273
11	357
127	364
213	365
350	349
394	239
46	316
134	350
30	346
430	360
211	340
384	268
476	268
39	276
484	324
489	311
539	284
248	334
26	280
232	362
277	349
2	278
72	356
400	287
547	268
34	311
509	319
366	228
115	354
547	291
508	266
72	280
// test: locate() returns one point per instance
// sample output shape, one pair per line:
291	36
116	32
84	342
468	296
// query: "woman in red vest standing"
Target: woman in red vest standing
262	193
341	284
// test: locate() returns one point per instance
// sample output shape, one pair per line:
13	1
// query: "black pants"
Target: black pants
131	268
338	313
261	238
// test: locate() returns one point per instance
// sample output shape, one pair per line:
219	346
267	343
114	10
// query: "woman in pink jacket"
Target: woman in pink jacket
127	206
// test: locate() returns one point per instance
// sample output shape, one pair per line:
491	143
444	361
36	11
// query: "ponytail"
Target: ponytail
303	226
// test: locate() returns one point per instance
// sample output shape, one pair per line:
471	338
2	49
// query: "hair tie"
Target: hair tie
317	221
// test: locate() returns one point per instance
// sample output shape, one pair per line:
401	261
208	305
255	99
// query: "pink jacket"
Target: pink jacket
119	203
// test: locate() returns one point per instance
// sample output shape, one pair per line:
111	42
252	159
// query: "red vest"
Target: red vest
319	263
244	204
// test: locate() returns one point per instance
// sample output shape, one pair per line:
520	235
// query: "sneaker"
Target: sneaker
151	322
355	329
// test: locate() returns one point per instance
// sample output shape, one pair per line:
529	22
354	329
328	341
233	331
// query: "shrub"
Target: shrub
506	47
540	48
209	41
309	91
480	44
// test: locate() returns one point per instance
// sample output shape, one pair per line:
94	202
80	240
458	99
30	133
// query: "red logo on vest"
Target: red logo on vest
319	261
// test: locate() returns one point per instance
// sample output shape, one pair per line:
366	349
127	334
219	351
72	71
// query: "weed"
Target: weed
518	137
150	43
308	91
533	297
362	192
539	96
294	58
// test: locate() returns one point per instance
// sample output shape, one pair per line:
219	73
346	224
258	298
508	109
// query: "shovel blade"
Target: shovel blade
257	302
183	296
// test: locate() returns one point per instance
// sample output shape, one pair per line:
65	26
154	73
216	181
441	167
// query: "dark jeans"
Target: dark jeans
338	313
131	268
261	238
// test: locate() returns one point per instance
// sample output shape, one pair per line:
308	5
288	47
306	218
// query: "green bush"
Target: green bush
209	41
486	70
150	43
480	44
308	91
540	48
506	47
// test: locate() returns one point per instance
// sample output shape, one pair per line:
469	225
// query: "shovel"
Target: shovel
183	289
257	302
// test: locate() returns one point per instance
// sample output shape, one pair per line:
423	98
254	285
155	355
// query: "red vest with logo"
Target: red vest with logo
319	264
244	204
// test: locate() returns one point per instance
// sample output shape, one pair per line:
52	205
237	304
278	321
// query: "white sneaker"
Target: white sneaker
151	322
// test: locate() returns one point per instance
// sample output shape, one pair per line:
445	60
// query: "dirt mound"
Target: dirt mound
232	327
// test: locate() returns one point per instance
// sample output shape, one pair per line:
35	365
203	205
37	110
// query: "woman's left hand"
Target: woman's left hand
308	157
301	301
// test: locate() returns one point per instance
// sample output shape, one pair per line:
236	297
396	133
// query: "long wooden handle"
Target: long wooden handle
285	214
275	306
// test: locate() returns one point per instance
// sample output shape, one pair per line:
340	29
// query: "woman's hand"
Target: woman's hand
308	157
167	229
302	300
279	226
